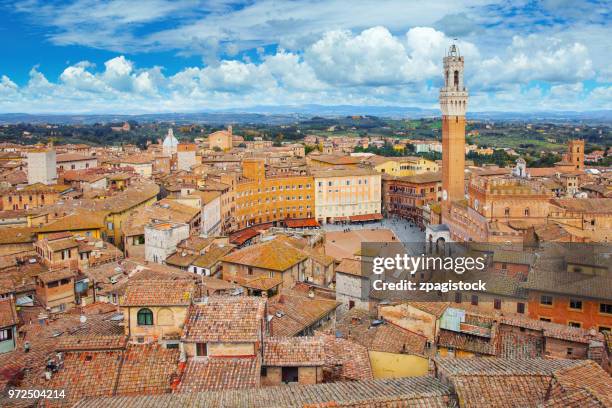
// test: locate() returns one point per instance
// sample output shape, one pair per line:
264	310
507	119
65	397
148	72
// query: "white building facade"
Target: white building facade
162	238
42	167
211	216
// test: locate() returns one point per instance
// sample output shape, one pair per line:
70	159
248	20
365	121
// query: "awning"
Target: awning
242	236
302	223
366	217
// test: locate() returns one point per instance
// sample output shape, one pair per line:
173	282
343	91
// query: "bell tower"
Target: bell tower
453	103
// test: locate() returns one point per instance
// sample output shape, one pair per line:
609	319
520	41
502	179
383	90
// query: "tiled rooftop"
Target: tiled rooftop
424	392
298	310
159	293
500	366
210	374
276	254
346	360
293	352
356	325
147	369
225	318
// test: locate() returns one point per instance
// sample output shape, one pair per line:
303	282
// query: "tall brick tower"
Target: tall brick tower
575	153
453	103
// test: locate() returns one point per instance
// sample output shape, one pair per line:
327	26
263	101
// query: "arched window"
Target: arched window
527	212
507	211
456	79
145	317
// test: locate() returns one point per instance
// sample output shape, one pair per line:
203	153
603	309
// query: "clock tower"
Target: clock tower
453	103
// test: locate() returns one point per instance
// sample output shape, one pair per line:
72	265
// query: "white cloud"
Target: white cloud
371	67
536	58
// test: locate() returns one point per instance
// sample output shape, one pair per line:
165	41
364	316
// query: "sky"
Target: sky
126	56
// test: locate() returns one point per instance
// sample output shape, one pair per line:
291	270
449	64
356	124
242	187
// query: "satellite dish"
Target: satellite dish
83	319
444	195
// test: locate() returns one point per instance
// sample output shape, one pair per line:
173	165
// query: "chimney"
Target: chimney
229	129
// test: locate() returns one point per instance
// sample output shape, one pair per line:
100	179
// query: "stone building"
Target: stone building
186	156
42	166
162	238
222	139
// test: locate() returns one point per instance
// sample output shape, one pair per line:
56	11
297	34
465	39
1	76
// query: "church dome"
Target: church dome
170	140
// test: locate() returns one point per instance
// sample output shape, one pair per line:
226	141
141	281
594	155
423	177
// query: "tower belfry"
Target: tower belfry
453	103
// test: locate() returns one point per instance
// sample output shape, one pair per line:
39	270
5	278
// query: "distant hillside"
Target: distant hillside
279	115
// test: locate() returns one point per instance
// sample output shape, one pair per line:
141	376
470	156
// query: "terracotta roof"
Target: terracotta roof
298	311
212	256
490	366
164	210
141	369
336	160
225	318
549	274
409	392
207	196
350	266
8	314
588	377
553	330
137	159
293	352
261	282
466	342
85	374
276	254
356	325
19	235
135	195
52	276
68	157
159	293
585	205
434	308
343	172
58	188
181	260
210	374
91	343
147	369
427	177
347	360
212	283
80	220
501	391
63	243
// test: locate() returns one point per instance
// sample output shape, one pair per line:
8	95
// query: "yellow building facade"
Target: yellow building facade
261	199
404	166
343	193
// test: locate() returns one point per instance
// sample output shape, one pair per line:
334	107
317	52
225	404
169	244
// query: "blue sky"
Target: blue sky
122	56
